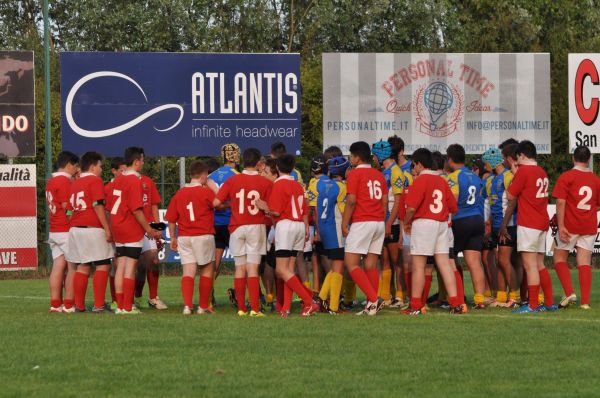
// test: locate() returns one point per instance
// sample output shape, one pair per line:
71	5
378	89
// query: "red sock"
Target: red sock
254	292
361	279
119	300
55	303
205	285
68	304
128	290
428	280
408	282
460	271
585	283
280	286
524	287
460	288
546	284
453	301
295	284
415	303
564	275
80	282
113	291
534	291
100	281
288	294
187	291
373	276
152	276
239	284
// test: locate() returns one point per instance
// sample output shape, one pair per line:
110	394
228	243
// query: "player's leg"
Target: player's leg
119	279
584	259
57	276
99	282
428	281
419	263
187	285
546	283
254	285
533	279
69	294
153	276
205	288
126	272
505	275
473	260
448	275
80	283
385	278
336	279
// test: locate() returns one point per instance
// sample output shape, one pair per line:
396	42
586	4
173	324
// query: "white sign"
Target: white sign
584	101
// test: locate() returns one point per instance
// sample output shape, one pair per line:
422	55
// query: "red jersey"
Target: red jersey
151	197
287	199
431	197
530	186
58	189
192	209
581	191
369	187
85	191
402	204
108	188
126	196
242	190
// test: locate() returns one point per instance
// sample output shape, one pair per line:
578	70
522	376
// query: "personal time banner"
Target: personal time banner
18	221
179	104
434	100
17	104
584	103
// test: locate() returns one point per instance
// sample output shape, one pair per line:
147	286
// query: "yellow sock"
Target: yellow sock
349	288
515	295
541	298
400	295
324	293
488	293
307	284
478	298
269	298
379	294
384	284
336	281
501	296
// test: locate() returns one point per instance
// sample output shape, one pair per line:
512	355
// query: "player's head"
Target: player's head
271	169
67	162
332	152
251	157
134	158
526	150
230	153
507	142
422	159
286	163
509	155
492	157
318	165
582	154
382	150
117	166
91	162
360	152
479	168
212	164
397	144
278	149
338	166
199	171
456	155
437	161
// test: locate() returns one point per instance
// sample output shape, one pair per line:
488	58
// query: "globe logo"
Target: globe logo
438	99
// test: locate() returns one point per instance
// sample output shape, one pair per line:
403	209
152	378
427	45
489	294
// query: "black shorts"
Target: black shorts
395	238
221	236
468	233
488	243
319	249
512	231
335	254
128	251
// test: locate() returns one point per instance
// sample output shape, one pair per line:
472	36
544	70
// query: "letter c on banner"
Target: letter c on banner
586	69
122	127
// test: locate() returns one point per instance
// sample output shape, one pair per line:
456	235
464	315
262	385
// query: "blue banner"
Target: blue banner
179	104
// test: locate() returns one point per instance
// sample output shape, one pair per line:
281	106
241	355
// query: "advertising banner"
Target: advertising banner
584	104
434	100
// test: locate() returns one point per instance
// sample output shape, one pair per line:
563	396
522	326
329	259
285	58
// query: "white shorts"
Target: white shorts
248	243
531	240
271	238
289	235
365	237
59	244
450	238
585	242
429	237
308	245
139	243
87	245
196	249
149	244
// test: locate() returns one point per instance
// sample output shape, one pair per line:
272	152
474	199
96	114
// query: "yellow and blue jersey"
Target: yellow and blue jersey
311	191
486	194
331	201
219	176
407	173
297	176
466	186
395	181
499	198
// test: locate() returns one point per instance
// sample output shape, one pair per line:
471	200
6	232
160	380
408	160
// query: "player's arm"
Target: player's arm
510	209
561	205
212	185
395	210
141	219
155	214
173	244
348	210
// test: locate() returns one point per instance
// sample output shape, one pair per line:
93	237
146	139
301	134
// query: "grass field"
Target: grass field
485	354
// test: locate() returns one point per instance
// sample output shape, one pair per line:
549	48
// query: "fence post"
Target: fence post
181	172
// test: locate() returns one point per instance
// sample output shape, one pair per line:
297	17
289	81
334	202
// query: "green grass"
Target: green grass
485	354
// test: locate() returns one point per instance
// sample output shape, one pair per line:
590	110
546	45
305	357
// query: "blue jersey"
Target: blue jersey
407	172
219	176
466	185
499	199
330	207
485	192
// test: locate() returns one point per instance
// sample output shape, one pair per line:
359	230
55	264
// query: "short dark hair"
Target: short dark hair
286	163
456	153
510	151
212	164
362	150
397	144
507	142
89	159
278	149
437	160
251	157
197	168
332	152
116	162
527	149
271	164
424	157
132	154
65	158
582	154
